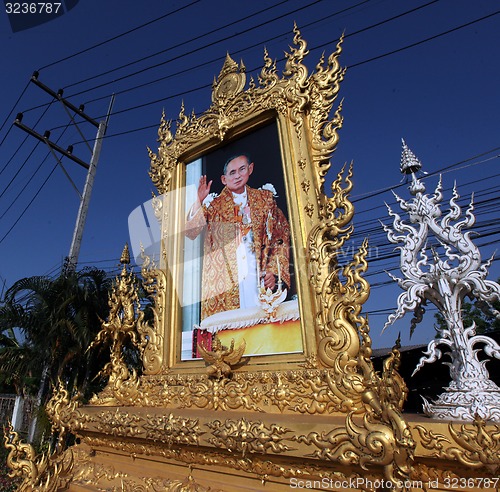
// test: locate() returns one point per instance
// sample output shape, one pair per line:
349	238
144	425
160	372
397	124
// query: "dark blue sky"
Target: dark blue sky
441	95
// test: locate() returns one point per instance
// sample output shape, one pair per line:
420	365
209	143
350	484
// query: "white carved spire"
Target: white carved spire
445	281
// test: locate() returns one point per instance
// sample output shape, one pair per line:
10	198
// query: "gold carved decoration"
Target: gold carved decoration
152	340
169	429
258	465
22	459
50	471
61	410
124	316
382	437
473	446
295	95
243	436
95	473
221	359
118	423
173	430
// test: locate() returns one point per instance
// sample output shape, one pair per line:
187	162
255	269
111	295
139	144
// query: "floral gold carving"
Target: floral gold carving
173	430
381	437
475	445
160	172
51	471
253	463
152	340
306	184
62	411
118	423
309	209
243	436
21	458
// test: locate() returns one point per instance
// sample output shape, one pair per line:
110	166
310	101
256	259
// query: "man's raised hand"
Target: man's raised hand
203	189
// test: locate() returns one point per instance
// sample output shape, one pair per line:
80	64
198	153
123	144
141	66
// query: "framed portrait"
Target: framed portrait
235	242
213	242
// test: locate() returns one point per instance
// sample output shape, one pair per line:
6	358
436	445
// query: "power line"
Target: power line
19	170
11	112
183	43
36	193
196	51
18	149
183	93
412	45
442	170
362	30
118	36
29	204
85	51
208	85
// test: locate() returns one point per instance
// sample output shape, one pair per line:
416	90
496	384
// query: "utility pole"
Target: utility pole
74	251
76	242
72	259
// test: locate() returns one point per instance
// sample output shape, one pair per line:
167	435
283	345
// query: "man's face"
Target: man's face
237	173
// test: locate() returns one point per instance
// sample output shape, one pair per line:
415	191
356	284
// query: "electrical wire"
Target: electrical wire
443	170
18	149
194	51
185	92
11	204
12	111
183	43
36	193
29	204
362	30
431	38
20	169
102	43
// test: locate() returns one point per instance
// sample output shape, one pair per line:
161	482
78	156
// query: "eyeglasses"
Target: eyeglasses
241	170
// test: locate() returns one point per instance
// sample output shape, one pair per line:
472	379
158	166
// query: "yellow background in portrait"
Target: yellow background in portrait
265	339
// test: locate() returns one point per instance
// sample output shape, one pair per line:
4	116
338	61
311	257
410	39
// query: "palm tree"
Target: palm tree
47	325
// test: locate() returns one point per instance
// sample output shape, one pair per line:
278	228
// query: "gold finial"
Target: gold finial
125	257
230	82
230	66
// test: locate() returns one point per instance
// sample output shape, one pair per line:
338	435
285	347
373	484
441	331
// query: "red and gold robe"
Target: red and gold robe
223	231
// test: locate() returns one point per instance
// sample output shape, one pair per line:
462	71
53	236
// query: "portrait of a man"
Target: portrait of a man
244	238
246	243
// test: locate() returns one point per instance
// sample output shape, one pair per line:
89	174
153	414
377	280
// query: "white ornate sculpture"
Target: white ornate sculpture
445	282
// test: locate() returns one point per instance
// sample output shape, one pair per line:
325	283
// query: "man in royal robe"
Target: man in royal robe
246	242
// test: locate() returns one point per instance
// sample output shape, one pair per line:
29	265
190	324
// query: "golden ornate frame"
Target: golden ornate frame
325	419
